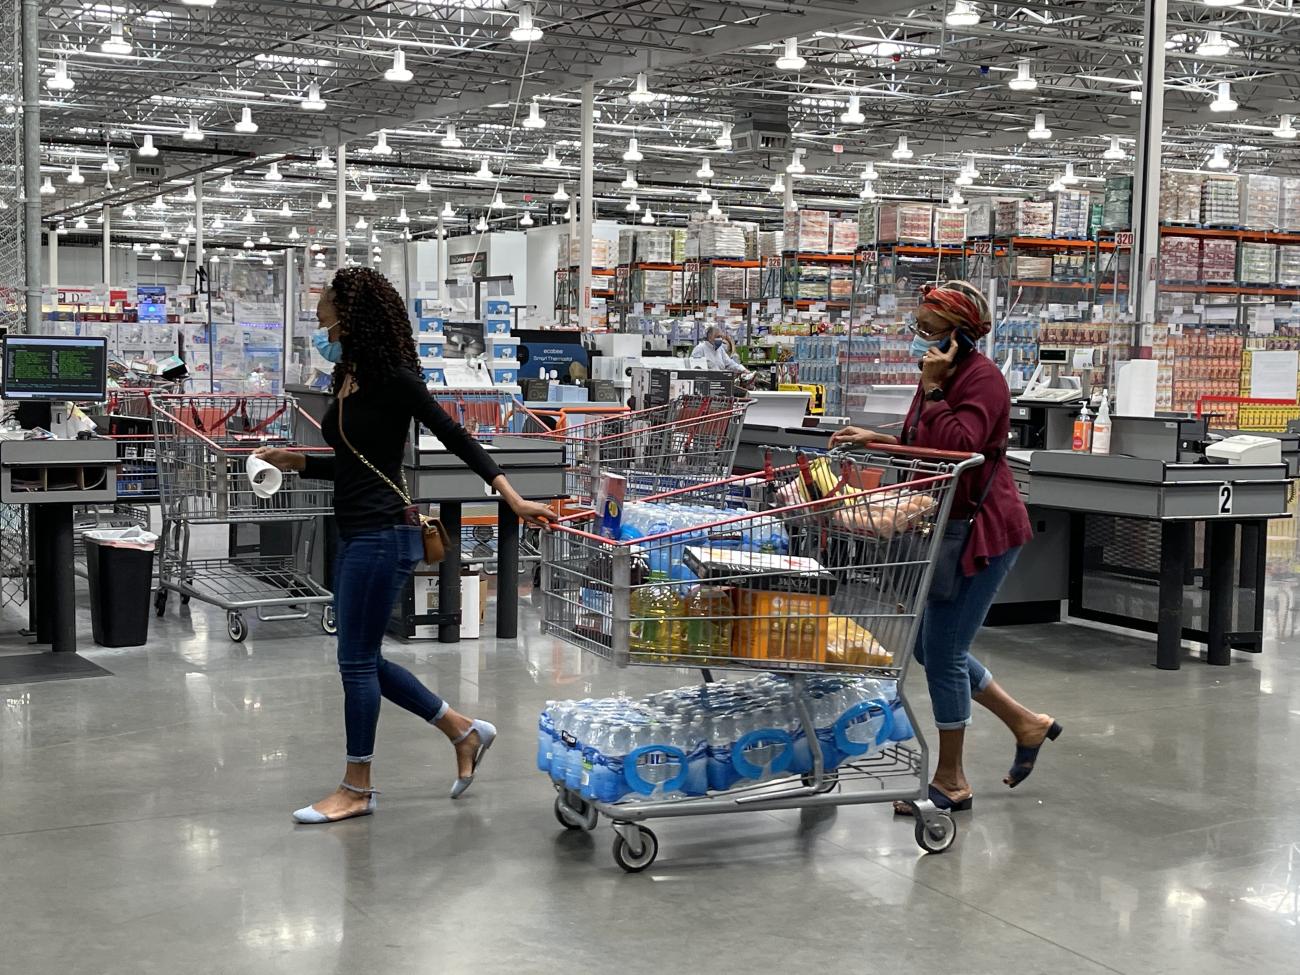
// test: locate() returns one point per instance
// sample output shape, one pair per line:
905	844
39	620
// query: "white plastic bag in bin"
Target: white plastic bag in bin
136	538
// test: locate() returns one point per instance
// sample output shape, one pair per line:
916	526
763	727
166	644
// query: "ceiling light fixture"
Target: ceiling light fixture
381	147
190	229
293	233
74	175
484	173
109	165
156	256
790	59
482	224
227	185
715	210
312	102
962	14
1068	177
402	217
1115	152
198	3
47	188
117	42
723	141
648	217
1024	79
218	223
868	192
853	114
641	94
1284	130
1224	101
192	131
629	181
147	149
703	196
1218	160
264	239
423	185
1223	3
449	140
360	224
59	81
796	167
246	124
128	211
778	184
964	179
448	211
633	154
273	173
534	119
526	32
869	171
632	206
1213	45
901	151
1055	186
398	72
248	243
525	220
160	204
61	229
497	203
323	161
368	195
324	203
560	193
1040	131
246	218
705	171
956	199
552	161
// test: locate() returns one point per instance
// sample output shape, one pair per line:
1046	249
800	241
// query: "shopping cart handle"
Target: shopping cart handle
850	718
922	453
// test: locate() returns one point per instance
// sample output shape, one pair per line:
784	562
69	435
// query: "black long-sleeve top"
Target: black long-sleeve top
377	420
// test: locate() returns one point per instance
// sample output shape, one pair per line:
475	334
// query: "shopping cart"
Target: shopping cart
815	567
483	412
688	442
203	443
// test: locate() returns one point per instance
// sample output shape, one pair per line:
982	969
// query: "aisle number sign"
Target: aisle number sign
983	247
871	257
1124	238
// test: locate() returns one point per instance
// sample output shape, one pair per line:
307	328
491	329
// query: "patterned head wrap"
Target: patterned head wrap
959	304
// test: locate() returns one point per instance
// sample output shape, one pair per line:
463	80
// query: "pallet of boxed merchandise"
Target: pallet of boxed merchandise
1033	268
1258	263
887	223
1219	261
1117	203
844	236
808	231
1072	208
1005	217
627	244
1034	218
915	223
979	219
719	240
949	226
728	284
1220	201
1288	215
1288	266
1180	258
1069	267
653	287
770	243
602	252
655	247
867	225
841	284
1261	199
679	245
753	283
1180	198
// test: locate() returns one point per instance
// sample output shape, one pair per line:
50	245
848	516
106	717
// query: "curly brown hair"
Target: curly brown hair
376	333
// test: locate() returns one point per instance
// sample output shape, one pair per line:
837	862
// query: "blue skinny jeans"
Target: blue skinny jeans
943	643
369	573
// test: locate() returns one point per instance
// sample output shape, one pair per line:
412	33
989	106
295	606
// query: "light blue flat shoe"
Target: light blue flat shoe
487	733
311	816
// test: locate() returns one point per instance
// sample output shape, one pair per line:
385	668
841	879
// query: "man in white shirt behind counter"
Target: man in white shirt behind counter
713	350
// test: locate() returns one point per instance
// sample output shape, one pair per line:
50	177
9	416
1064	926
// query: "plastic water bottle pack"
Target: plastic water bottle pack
712	737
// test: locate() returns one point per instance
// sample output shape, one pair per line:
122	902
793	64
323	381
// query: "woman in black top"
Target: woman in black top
378	390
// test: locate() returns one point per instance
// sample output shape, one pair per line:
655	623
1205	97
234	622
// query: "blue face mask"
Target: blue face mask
717	343
921	346
330	351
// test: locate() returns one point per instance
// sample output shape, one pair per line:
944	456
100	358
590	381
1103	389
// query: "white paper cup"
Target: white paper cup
264	478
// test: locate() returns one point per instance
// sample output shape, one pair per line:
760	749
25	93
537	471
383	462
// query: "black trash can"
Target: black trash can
121	581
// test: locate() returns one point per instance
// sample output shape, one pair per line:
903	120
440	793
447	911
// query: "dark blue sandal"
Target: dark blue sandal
1027	756
941	801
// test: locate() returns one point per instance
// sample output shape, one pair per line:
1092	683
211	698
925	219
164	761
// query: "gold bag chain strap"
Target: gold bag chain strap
434	534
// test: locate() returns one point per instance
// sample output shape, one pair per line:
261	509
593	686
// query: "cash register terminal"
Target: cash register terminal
1047	385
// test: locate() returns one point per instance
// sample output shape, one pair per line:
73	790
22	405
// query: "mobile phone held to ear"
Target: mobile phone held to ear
965	346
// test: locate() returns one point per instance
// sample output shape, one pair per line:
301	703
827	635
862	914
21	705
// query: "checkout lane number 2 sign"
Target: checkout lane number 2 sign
1225	499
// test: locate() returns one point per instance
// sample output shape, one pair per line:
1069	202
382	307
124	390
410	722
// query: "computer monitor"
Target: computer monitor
54	368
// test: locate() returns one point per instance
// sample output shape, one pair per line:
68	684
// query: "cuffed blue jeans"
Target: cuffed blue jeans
943	644
369	573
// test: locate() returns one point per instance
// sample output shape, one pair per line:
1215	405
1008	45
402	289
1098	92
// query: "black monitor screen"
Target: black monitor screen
55	367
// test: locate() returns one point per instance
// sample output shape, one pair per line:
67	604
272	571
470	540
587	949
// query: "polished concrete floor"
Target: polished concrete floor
144	826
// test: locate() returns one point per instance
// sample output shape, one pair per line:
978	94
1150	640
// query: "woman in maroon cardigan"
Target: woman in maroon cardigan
962	404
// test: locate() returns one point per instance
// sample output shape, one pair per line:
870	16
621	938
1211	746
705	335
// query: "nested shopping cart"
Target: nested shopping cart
203	443
845	597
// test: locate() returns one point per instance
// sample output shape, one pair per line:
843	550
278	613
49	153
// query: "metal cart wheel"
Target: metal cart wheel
328	621
635	863
236	626
160	601
937	835
576	815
